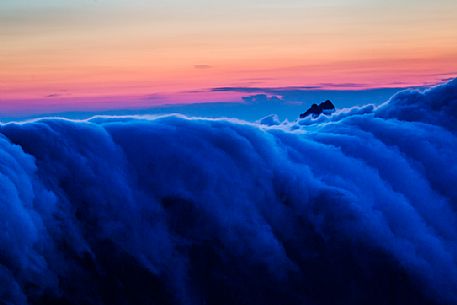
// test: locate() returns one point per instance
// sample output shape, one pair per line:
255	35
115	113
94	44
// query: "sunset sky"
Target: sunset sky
96	54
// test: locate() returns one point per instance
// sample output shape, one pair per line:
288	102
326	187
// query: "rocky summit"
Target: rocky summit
315	110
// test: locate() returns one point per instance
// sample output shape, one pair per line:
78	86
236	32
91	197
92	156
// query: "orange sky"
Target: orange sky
55	52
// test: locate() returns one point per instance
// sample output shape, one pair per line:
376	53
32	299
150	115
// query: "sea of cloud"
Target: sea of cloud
356	208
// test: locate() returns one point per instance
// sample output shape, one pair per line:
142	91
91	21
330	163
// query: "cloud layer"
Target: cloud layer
356	208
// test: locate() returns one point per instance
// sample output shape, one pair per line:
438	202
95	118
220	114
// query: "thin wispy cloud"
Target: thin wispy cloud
202	67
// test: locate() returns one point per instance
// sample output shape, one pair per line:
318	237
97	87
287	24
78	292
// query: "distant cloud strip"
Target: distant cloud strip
322	86
202	67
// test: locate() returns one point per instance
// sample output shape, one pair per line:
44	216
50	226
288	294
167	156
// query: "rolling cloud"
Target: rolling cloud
355	208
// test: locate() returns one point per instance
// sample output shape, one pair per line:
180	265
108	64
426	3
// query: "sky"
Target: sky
62	55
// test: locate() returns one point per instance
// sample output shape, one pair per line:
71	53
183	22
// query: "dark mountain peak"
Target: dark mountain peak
315	110
327	105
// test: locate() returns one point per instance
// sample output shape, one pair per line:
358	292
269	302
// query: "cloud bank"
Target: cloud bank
355	208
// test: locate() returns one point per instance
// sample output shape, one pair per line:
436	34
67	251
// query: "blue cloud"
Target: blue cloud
435	106
355	208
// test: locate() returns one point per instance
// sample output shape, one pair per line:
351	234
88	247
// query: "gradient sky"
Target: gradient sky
89	54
